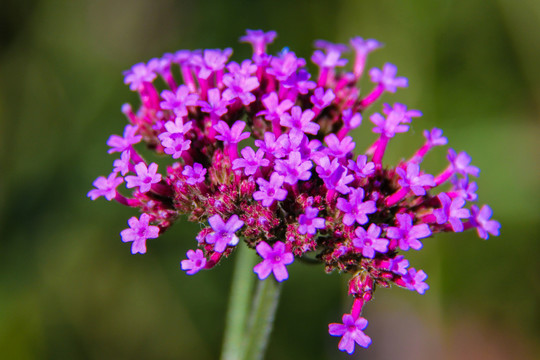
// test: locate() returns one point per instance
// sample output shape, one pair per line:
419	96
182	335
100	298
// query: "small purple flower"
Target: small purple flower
399	265
274	260
321	99
251	162
414	180
123	164
139	231
269	144
364	47
232	135
195	174
407	234
351	120
138	75
387	78
464	188
215	104
294	168
224	233
121	144
194	263
389	126
401	109
355	209
369	241
105	187
239	87
300	82
435	138
294	140
332	57
414	280
451	211
274	109
259	39
309	222
145	177
285	65
270	190
337	148
351	332
212	60
460	163
481	220
338	179
173	139
361	167
179	100
300	120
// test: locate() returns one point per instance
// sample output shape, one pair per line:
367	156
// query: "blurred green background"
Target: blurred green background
70	289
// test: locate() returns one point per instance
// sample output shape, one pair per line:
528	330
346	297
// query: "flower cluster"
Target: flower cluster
297	188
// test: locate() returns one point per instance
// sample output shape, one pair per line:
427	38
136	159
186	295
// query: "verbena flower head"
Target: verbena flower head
259	151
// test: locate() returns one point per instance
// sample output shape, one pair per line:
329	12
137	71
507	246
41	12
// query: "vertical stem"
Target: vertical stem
262	318
239	303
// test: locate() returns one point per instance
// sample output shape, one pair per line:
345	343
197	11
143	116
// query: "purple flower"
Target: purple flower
224	233
321	99
121	144
173	139
294	168
194	263
332	57
464	188
239	87
285	65
355	209
337	148
399	265
300	82
389	126
122	165
232	135
481	220
274	261
407	234
215	104
195	174
414	180
269	144
435	138
351	332
401	109
351	120
451	211
177	101
364	47
145	177
309	222
139	230
415	280
211	61
274	109
338	179
294	140
300	120
138	75
361	167
251	162
387	78
105	187
460	163
259	39
369	241
270	190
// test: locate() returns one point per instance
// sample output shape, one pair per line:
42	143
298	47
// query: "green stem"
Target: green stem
239	303
262	318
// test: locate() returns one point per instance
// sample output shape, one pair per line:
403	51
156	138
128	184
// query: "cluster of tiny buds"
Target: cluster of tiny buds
296	189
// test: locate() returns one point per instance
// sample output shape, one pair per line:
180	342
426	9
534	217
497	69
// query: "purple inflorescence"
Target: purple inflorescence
260	150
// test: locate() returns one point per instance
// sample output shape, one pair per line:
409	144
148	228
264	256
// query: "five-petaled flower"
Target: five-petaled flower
274	260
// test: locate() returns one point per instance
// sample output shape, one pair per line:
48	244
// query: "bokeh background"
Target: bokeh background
70	289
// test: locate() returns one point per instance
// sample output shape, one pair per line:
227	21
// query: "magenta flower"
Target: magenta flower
451	211
145	177
355	209
387	78
407	234
339	148
270	190
274	260
120	144
413	180
105	187
321	99
139	231
215	104
224	233
239	87
294	168
274	109
435	138
251	161
460	163
194	174
309	222
259	39
391	125
300	120
194	263
232	135
362	168
414	280
123	165
481	220
369	242
179	100
138	75
350	332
